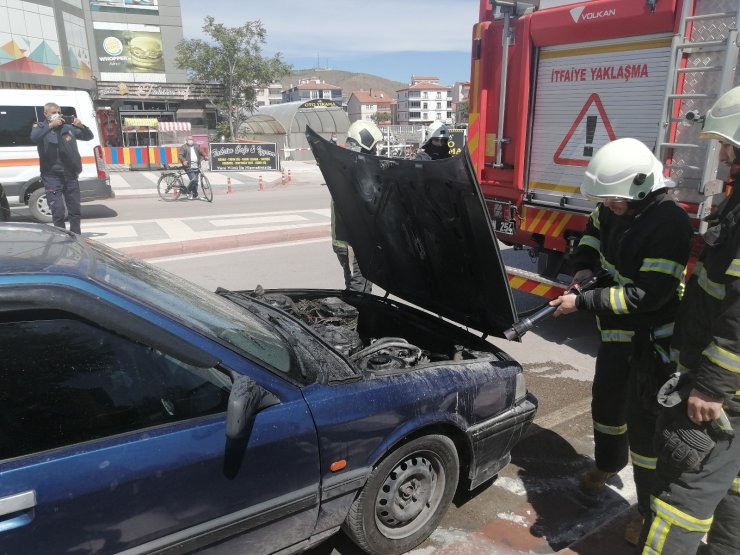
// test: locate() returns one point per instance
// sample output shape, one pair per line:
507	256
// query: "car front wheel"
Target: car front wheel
40	210
405	497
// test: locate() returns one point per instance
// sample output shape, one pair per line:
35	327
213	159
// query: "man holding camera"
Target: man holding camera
60	163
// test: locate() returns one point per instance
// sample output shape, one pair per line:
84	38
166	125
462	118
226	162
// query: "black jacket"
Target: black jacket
47	142
645	255
706	340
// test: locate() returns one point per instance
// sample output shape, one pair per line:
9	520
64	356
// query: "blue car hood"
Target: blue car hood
420	230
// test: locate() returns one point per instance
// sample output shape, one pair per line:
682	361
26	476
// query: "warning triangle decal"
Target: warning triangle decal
590	131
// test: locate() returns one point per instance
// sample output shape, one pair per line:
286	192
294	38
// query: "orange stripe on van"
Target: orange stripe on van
35	161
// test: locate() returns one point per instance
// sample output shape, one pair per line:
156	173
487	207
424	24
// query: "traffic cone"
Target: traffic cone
228	185
282	179
260	187
290	178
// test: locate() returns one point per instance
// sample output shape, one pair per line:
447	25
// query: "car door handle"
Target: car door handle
17	502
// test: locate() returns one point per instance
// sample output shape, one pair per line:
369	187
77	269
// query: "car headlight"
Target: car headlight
520	391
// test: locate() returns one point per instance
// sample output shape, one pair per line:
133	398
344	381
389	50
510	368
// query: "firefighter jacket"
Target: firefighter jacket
645	255
707	334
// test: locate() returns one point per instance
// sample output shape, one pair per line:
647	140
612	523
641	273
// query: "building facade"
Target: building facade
460	95
423	102
312	89
364	105
271	95
121	51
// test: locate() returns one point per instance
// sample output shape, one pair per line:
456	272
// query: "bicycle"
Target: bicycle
171	186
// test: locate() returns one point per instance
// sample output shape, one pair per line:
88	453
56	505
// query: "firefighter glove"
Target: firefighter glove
680	443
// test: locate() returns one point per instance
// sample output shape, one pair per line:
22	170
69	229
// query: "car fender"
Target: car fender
450	424
29	187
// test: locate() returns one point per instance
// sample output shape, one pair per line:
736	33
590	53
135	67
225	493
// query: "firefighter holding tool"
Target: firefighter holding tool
641	237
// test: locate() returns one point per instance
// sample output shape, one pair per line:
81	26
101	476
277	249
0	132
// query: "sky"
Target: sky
389	38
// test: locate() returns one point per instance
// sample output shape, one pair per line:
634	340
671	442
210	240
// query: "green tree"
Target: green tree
381	117
232	57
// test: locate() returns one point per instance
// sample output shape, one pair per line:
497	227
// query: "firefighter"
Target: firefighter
698	473
362	136
437	145
641	237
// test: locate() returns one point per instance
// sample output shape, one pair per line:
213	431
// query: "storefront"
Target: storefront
130	114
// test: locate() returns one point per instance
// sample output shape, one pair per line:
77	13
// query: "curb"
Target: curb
227	242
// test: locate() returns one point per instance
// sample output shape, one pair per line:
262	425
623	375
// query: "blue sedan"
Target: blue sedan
142	414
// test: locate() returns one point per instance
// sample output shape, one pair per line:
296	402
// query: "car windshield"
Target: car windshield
202	310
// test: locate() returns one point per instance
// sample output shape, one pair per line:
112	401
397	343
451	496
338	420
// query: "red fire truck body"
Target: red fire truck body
550	86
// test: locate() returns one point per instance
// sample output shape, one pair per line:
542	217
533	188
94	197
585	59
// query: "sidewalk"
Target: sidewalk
138	184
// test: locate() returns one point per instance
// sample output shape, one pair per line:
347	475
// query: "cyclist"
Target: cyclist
190	156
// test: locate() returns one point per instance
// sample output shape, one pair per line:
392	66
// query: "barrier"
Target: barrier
141	156
228	185
260	184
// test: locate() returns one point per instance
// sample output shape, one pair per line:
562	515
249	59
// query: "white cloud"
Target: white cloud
332	28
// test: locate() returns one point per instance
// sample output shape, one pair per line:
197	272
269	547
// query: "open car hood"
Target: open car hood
420	230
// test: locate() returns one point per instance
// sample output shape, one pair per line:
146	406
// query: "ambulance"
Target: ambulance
19	163
551	84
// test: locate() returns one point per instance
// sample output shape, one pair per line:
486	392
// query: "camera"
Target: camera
693	116
69	119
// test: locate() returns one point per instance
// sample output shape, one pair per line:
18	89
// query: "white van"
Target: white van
19	161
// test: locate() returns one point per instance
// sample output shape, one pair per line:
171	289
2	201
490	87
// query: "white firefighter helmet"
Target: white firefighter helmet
722	121
437	130
365	133
625	169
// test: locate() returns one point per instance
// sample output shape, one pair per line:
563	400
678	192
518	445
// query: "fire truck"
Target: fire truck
552	84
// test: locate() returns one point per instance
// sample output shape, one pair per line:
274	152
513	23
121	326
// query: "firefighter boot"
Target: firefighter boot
633	529
593	480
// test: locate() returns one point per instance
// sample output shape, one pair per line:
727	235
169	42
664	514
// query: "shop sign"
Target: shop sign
148	7
320	103
157	90
456	142
136	49
244	157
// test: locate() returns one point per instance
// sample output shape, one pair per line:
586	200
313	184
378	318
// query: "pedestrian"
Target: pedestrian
641	237
60	163
190	156
698	473
362	136
436	146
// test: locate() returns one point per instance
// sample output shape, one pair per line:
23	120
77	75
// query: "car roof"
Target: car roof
40	248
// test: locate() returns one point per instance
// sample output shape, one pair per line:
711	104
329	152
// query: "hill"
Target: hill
348	81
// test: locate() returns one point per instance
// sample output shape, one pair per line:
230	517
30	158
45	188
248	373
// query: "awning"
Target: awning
174	126
140	122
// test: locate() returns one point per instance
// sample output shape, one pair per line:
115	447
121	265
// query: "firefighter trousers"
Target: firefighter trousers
624	424
687	505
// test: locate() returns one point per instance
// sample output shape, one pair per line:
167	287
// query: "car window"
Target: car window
16	123
200	309
65	381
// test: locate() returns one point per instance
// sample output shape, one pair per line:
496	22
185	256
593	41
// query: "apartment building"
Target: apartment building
271	95
423	102
313	89
368	105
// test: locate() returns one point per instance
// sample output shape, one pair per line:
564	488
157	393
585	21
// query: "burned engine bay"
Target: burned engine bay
380	336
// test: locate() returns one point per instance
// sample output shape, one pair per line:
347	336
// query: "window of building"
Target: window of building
415	115
425	94
415	104
449	115
66	381
439	95
439	105
424	115
414	94
424	105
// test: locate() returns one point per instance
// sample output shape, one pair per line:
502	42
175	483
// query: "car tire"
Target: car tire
40	210
405	497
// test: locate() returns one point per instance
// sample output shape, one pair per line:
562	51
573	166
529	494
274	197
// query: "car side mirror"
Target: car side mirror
245	400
